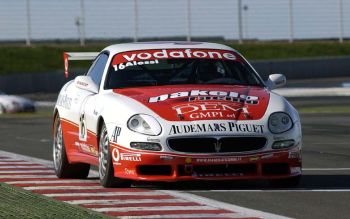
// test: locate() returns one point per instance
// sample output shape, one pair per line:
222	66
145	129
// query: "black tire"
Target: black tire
62	168
291	182
105	167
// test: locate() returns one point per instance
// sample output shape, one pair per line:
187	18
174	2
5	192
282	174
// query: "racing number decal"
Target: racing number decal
82	128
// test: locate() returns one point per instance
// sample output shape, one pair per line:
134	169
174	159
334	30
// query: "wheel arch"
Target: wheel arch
55	113
100	122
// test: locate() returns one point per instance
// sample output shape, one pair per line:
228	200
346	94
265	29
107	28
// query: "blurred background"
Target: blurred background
308	41
241	20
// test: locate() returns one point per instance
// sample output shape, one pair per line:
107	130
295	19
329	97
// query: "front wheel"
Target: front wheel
105	167
61	165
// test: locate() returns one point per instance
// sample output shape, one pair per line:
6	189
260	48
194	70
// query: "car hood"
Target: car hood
202	102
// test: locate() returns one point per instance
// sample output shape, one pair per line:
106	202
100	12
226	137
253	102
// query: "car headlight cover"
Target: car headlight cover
280	122
144	124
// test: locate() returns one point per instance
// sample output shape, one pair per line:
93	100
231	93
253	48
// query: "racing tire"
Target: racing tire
2	109
105	164
291	182
63	168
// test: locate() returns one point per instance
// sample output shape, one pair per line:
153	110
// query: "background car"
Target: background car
15	104
171	111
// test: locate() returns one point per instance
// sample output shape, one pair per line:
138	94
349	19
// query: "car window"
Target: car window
180	66
96	69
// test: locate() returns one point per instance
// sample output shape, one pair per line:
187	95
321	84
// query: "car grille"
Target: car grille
213	145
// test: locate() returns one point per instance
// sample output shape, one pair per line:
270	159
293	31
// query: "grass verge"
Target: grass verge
47	58
18	203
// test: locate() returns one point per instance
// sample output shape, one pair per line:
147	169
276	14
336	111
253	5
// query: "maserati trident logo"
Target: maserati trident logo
217	146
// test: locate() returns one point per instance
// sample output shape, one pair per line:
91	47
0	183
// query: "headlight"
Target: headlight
144	124
280	122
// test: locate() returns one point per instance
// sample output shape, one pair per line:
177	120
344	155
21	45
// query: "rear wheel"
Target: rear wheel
105	167
286	183
62	168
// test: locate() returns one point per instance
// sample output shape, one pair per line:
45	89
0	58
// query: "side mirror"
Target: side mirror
86	83
276	81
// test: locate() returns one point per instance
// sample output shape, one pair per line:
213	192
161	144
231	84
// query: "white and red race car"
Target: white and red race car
172	111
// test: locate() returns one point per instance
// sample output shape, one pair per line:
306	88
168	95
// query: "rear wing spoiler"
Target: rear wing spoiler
77	56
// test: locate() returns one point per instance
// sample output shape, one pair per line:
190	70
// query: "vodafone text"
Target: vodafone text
175	53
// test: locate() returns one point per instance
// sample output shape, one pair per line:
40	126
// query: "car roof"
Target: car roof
123	47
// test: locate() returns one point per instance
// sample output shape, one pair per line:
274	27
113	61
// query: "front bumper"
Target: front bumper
158	166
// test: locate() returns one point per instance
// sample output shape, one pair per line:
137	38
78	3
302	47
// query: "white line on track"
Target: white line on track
230	207
50	181
156	208
224	215
13	163
123	201
90	194
27	176
63	187
9	159
26	171
46	163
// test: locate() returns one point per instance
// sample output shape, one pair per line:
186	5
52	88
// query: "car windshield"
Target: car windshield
179	66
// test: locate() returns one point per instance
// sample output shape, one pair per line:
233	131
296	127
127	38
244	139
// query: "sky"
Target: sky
263	20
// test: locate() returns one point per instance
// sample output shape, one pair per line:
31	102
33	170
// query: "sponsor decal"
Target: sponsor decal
208	110
218	160
166	157
116	133
254	158
82	128
154	54
86	148
117	156
216	127
130	157
207	95
122	66
129	172
64	101
146	57
82	83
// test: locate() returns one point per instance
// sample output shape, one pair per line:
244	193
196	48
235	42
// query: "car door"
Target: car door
88	116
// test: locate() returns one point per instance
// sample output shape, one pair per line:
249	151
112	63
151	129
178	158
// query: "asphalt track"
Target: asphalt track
324	191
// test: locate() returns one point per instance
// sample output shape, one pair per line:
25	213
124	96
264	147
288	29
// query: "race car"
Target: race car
15	104
174	111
